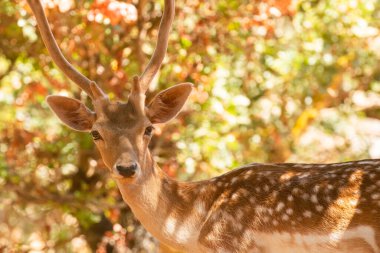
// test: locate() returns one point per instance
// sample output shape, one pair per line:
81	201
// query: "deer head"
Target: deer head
121	130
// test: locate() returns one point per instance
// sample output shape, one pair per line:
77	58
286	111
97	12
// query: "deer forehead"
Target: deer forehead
117	115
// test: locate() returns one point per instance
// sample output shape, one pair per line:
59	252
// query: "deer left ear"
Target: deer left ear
72	112
168	103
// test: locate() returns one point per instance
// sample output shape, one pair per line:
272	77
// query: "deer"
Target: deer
260	207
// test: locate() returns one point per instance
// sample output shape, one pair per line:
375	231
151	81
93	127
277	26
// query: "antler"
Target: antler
55	52
82	81
161	47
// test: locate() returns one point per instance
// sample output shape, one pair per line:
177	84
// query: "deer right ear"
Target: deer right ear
72	112
168	103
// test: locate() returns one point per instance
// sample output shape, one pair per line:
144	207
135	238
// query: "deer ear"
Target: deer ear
72	112
168	103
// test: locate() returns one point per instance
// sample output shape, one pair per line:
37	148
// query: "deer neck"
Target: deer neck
162	204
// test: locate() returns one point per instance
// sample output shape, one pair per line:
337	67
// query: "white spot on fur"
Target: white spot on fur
199	207
203	189
295	190
183	234
272	181
289	211
235	196
286	176
314	199
371	188
341	201
353	202
280	206
240	214
285	217
319	208
307	214
249	172
170	225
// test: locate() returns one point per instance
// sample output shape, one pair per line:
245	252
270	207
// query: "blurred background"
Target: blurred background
275	81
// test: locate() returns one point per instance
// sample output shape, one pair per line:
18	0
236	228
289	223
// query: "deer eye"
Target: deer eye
149	130
96	135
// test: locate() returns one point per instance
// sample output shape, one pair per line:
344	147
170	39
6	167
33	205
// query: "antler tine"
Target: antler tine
161	47
55	52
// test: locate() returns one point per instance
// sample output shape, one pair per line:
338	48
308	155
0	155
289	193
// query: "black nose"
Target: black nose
127	171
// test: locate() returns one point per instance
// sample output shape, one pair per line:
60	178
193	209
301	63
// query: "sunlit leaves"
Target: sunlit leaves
112	11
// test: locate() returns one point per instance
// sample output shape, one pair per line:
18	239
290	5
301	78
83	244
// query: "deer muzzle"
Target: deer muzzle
127	170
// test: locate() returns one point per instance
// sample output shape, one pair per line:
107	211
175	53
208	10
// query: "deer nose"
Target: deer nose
127	171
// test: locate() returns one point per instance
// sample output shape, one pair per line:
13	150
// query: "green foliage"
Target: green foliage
288	81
